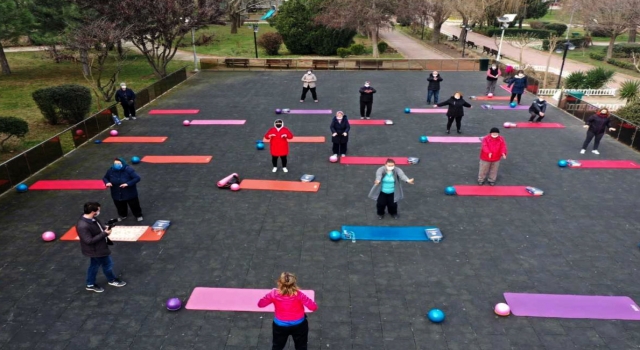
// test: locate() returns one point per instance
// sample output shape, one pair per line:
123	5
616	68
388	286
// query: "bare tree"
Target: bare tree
553	41
611	16
636	61
521	41
440	12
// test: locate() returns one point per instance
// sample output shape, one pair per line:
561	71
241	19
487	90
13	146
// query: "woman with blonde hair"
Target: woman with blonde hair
289	319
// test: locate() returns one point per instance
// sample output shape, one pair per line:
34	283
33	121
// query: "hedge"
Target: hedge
70	103
597	56
621	64
491	31
577	42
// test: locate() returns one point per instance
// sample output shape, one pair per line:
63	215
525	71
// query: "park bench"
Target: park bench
454	38
486	50
471	44
278	63
494	52
325	64
368	64
233	62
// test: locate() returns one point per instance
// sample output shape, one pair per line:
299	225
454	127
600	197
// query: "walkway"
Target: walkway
410	47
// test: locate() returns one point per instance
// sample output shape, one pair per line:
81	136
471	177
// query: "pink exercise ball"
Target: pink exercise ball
79	132
507	125
235	187
502	309
186	123
490	95
48	236
333	159
113	133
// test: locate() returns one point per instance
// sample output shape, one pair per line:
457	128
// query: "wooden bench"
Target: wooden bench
471	44
494	52
486	50
232	62
368	64
325	64
278	63
454	38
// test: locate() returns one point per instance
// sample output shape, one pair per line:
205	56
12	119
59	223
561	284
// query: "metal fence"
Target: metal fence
243	63
29	162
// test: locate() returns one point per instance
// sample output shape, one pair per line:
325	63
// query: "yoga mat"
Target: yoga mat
494	98
475	190
454	139
367	122
607	164
135	139
428	110
539	125
372	160
217	122
68	185
174	111
304	139
388	233
573	306
232	299
177	159
123	234
309	111
274	185
516	108
506	87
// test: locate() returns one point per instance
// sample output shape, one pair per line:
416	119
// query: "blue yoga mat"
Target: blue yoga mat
385	233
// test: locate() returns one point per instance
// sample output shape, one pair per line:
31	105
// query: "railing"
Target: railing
553	70
626	131
612	107
29	162
587	92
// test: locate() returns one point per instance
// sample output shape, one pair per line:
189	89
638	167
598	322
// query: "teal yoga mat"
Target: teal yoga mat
386	233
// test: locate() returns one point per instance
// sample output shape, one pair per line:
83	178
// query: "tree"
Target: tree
440	12
532	9
12	126
15	20
612	17
553	41
520	41
52	18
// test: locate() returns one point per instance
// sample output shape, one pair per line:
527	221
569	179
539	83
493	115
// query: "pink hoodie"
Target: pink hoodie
288	308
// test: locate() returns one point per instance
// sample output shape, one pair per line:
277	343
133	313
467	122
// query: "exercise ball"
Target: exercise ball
424	139
335	235
407	110
235	187
174	304
435	315
450	191
507	125
135	160
278	111
513	105
259	145
186	123
48	236
333	159
113	133
562	163
79	132
502	309
490	95
97	142
21	188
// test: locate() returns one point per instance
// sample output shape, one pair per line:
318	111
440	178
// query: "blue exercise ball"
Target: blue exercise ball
450	191
135	160
436	315
174	304
97	142
335	235
21	188
423	139
562	163
259	145
513	105
407	110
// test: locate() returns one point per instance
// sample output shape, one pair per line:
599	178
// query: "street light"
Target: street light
504	20
255	39
464	37
566	47
193	44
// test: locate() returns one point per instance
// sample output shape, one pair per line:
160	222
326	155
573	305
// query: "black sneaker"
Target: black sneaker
95	288
459	132
492	183
448	131
395	216
380	217
117	283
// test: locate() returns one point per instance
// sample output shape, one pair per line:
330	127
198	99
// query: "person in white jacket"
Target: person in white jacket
309	83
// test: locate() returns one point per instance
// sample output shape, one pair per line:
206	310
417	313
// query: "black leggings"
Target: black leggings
386	200
590	136
274	161
133	203
513	95
299	333
534	115
365	105
129	109
340	148
304	93
458	120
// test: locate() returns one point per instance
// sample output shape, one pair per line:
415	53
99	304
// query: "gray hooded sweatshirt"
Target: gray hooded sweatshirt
397	192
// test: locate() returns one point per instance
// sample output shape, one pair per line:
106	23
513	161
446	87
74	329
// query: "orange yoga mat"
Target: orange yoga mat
177	159
148	235
138	139
305	139
274	185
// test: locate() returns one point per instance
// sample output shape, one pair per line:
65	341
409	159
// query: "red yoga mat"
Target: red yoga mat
68	185
148	235
135	139
275	185
232	299
372	160
470	190
539	126
607	164
174	111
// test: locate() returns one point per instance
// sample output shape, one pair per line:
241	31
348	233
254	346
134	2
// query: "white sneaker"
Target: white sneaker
134	118
126	118
582	151
335	155
343	155
595	151
285	170
274	169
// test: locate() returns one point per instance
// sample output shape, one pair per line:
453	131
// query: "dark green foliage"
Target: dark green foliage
536	25
621	64
599	32
357	49
271	42
630	112
594	78
12	126
575	80
559	28
70	103
491	31
597	56
52	18
382	47
625	50
326	41
404	21
343	52
630	91
536	8
577	42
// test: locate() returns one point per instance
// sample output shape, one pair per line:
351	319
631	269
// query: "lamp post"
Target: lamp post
193	43
504	26
424	22
255	28
567	46
504	20
570	21
467	29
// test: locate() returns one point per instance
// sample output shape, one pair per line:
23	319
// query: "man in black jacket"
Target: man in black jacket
366	100
434	80
127	99
94	244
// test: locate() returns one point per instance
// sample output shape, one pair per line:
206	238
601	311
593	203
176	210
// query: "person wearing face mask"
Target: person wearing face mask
279	137
455	110
94	243
309	83
122	180
493	73
434	80
519	83
387	188
492	150
538	109
340	133
127	99
366	100
597	124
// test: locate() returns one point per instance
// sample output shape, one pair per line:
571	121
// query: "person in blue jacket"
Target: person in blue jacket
537	109
519	83
340	133
127	99
122	180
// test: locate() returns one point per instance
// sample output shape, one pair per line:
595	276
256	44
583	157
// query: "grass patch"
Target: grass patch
582	55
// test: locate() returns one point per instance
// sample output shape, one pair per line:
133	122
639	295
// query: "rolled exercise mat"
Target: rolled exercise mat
217	122
309	111
123	234
475	190
275	185
454	139
573	306
177	159
174	111
606	164
387	233
428	110
538	126
372	160
232	299
304	139
68	185
135	139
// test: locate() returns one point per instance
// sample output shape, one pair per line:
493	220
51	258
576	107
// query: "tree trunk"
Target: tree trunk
520	23
84	59
612	42
374	42
435	36
234	24
4	62
462	35
632	34
120	50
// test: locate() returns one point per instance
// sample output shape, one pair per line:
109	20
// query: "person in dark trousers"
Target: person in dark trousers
122	180
517	84
493	149
387	188
127	99
340	133
366	100
94	243
434	80
309	83
289	318
537	109
279	137
455	110
597	125
493	73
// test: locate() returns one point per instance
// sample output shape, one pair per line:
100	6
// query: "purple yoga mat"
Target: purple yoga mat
218	122
507	107
573	306
309	111
454	139
428	110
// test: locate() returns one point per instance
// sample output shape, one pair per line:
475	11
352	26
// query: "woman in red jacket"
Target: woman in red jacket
289	319
278	137
493	149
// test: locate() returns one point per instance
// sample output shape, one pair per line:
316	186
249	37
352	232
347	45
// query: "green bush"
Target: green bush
271	43
357	49
630	112
382	47
12	126
404	21
491	31
597	78
630	91
599	32
625	50
326	41
621	64
597	56
343	52
575	80
577	42
536	25
559	28
70	103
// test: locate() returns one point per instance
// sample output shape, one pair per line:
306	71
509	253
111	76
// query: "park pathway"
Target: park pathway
410	47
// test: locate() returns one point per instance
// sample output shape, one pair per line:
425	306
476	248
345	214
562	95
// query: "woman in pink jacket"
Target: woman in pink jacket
493	149
289	319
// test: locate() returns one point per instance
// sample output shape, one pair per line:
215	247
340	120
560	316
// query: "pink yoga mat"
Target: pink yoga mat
309	111
232	299
539	125
506	87
499	191
218	122
607	164
454	139
372	160
428	110
367	122
174	111
516	108
68	185
573	306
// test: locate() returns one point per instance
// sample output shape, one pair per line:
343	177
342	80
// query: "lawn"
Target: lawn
555	16
582	55
33	70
